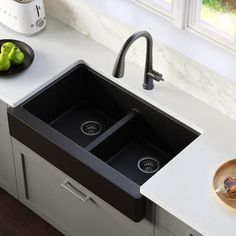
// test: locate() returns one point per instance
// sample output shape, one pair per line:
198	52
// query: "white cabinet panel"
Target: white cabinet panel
7	171
65	203
159	231
172	224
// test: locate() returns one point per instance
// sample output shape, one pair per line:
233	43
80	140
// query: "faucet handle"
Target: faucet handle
155	75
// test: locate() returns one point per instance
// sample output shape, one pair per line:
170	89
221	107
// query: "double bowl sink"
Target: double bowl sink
103	136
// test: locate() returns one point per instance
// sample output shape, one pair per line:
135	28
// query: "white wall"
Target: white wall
190	73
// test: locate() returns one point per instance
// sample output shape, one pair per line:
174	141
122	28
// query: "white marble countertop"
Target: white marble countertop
184	186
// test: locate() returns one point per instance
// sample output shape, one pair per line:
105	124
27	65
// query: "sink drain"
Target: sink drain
148	165
91	128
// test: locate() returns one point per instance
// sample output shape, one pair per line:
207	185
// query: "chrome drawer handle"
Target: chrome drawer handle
68	186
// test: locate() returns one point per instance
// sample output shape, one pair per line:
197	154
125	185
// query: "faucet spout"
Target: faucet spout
149	73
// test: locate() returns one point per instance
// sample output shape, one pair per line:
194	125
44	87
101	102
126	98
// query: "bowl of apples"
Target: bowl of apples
15	56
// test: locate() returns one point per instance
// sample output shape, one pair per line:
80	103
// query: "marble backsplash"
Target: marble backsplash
193	78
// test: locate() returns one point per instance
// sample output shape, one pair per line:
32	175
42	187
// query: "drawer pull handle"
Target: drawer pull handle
24	176
68	186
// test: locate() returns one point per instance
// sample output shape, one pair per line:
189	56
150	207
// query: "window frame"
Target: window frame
185	14
177	12
160	8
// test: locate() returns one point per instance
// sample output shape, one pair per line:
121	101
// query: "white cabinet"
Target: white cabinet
7	171
159	231
65	203
167	225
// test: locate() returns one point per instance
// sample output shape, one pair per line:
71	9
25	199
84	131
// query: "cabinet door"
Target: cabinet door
65	203
7	170
172	224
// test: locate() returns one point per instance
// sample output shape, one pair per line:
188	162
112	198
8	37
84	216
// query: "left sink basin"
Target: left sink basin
98	133
80	107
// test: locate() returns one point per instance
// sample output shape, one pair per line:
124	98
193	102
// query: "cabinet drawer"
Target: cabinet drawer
65	203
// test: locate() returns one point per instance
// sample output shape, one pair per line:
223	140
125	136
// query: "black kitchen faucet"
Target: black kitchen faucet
149	73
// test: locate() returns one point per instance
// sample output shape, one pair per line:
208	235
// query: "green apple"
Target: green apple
4	62
16	56
7	47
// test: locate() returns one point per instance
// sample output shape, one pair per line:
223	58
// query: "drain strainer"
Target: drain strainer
91	128
148	165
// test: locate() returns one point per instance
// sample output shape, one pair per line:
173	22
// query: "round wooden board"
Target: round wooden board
226	170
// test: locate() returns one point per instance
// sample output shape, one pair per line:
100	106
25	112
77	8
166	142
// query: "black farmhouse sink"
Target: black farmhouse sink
106	138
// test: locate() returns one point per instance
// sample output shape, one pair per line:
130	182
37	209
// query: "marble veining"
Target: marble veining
184	73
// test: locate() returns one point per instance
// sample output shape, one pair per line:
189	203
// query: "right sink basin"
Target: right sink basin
100	134
136	149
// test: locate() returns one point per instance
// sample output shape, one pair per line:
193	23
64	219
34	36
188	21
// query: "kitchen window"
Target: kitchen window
213	19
